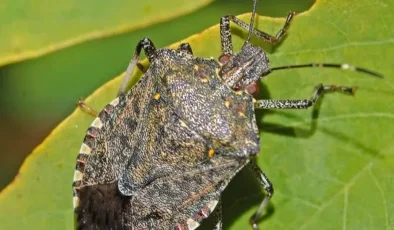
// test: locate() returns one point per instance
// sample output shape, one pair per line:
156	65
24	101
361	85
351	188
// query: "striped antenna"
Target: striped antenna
329	65
251	24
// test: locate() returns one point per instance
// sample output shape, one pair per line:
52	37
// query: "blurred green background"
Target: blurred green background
36	94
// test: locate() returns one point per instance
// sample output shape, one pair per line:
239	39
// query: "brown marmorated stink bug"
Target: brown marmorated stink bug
160	155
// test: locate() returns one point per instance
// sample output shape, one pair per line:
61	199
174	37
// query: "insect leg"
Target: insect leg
86	108
185	47
268	187
141	67
303	103
225	33
150	52
217	216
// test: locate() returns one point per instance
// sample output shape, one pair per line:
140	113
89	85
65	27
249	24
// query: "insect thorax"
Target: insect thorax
223	117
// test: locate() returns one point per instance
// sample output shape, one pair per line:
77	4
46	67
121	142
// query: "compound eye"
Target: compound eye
224	58
253	89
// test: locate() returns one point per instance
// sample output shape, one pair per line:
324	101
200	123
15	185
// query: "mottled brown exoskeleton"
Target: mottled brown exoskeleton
160	155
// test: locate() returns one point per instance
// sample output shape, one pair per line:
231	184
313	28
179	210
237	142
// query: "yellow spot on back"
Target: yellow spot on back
239	92
204	80
217	70
196	67
211	153
157	96
241	114
227	103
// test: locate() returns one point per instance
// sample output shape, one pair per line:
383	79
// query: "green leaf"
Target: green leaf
330	172
45	26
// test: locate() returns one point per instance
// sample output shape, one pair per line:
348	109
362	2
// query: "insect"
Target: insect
159	155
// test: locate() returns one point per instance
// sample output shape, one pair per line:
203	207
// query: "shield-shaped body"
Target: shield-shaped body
159	156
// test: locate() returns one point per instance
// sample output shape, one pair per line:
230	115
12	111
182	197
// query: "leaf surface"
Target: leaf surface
33	28
332	169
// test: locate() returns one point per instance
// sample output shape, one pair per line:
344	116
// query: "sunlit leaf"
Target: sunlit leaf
33	28
335	175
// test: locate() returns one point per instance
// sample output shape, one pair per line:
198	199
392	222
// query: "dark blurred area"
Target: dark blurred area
37	94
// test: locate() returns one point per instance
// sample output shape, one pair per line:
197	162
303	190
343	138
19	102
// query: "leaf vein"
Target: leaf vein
377	184
341	191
